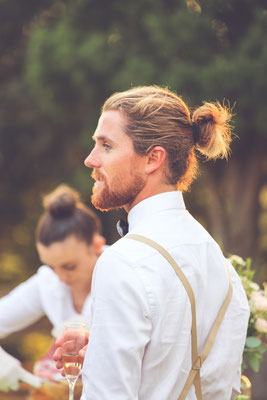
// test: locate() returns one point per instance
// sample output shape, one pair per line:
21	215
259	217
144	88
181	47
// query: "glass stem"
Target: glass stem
71	390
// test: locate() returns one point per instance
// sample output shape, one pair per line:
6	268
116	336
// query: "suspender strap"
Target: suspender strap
196	363
210	340
194	375
215	327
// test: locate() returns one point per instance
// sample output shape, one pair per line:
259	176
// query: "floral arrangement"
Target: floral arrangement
256	342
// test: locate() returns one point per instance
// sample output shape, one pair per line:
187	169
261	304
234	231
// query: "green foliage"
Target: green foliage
243	268
88	53
254	355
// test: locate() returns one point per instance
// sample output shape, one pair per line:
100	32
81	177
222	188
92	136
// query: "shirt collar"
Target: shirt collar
149	206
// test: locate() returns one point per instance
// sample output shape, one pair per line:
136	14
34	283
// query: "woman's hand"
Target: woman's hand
11	373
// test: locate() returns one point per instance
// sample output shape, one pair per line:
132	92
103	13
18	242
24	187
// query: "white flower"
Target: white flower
260	301
236	259
254	286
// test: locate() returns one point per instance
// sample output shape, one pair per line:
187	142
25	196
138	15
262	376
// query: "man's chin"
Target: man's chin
104	204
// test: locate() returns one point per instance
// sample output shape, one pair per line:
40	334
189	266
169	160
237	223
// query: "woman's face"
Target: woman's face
72	259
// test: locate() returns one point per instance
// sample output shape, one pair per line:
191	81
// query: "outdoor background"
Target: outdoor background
59	60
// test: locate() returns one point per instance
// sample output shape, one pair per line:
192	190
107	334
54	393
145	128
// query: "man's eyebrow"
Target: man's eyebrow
102	138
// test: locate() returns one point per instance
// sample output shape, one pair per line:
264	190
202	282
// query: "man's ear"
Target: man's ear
155	159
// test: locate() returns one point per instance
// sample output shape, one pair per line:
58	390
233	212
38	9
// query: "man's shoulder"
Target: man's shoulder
120	267
125	250
125	256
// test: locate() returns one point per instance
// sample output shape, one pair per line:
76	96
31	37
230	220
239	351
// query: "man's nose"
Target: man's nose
91	160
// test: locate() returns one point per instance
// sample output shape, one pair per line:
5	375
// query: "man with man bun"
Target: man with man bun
169	314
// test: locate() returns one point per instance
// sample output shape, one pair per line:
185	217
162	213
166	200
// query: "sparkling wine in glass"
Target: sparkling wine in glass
75	340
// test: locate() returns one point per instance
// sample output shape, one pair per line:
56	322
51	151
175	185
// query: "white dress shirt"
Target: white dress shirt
140	343
42	294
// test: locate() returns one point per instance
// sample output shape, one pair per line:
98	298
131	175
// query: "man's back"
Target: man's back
141	338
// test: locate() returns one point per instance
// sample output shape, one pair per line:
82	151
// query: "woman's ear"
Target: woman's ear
155	159
98	242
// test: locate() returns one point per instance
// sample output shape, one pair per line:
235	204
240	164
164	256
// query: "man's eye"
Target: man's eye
106	146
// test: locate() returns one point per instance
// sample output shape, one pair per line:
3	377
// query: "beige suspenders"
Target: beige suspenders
197	360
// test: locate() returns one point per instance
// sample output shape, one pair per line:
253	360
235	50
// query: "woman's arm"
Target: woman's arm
21	307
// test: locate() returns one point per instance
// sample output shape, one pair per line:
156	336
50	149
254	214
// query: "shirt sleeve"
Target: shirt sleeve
236	384
121	327
21	307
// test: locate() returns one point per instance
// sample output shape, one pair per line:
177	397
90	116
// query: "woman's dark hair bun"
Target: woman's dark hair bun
61	203
66	215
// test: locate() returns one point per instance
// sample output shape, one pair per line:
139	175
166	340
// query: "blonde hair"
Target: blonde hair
157	116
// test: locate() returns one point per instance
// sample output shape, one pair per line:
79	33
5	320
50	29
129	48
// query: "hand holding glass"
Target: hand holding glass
75	340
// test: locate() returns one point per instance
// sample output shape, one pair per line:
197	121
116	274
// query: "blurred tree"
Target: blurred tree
35	152
61	59
19	142
205	50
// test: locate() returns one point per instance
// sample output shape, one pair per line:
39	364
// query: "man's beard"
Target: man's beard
121	194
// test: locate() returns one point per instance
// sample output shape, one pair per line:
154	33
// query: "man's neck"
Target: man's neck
147	192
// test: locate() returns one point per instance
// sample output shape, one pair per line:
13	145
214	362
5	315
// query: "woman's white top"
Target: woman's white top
42	294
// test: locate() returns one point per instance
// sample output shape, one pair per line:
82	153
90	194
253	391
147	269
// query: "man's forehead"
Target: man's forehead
110	122
111	117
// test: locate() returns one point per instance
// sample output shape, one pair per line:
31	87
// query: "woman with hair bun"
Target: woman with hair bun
69	243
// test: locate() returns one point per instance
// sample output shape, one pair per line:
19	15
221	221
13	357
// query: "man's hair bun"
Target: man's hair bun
214	129
61	203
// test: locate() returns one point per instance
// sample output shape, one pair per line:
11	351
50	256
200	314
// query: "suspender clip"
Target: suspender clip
198	363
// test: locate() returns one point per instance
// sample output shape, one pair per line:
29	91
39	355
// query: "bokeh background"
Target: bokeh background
59	60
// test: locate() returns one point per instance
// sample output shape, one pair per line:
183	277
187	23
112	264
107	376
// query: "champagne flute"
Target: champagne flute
75	336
